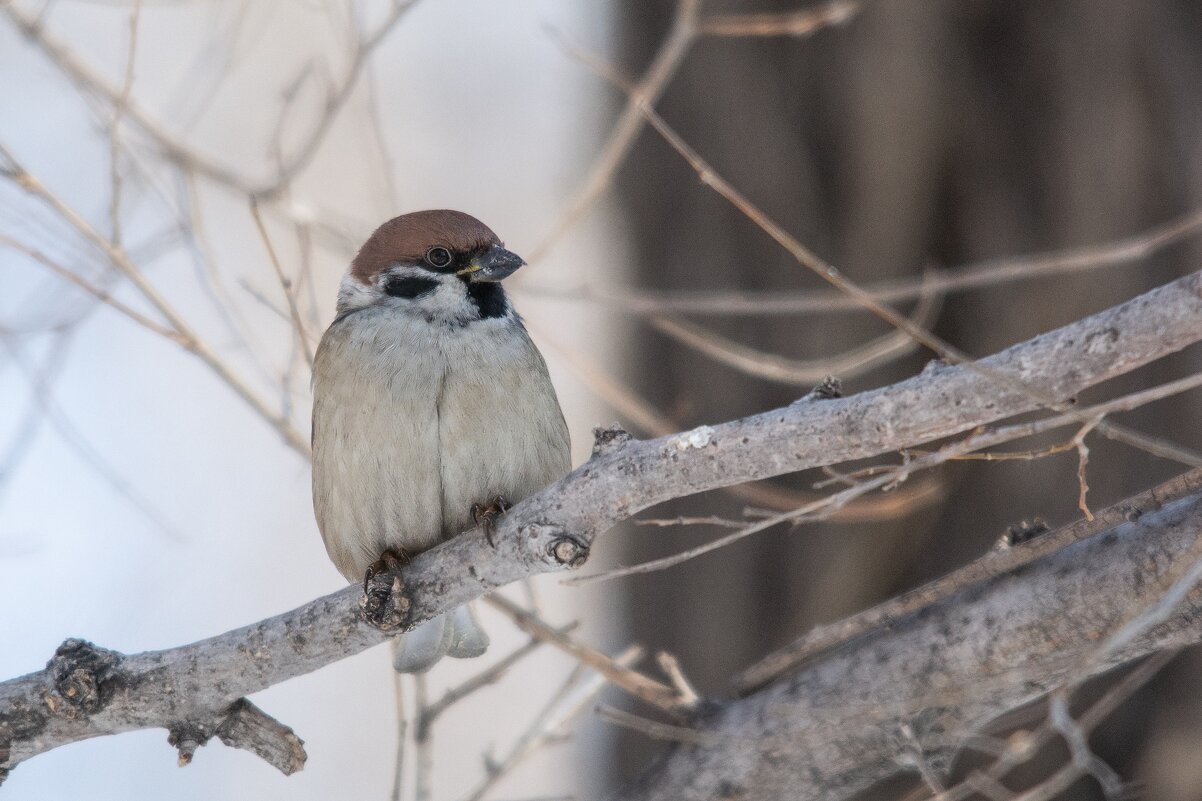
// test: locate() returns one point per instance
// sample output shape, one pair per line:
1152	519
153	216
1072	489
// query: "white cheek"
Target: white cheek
353	294
447	301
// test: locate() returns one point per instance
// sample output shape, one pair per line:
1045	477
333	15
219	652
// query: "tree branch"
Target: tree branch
822	639
87	692
946	669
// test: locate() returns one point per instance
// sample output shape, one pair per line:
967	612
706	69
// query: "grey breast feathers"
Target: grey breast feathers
413	423
502	431
375	440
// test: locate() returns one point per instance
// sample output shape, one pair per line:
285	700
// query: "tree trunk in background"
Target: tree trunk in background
938	131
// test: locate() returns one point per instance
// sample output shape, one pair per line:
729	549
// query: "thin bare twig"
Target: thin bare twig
188	338
578	691
789	23
487	677
622	676
654	729
914	756
799	372
102	295
628	125
670	665
176	149
1083	758
119	107
423	744
1078	442
402	734
298	324
977	275
685	28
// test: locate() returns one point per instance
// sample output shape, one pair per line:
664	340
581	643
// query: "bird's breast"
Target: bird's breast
414	422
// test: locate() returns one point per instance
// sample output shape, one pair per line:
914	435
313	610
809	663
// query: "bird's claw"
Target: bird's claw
384	604
487	516
389	562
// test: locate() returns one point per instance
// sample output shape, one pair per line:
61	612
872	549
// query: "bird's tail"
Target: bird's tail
456	634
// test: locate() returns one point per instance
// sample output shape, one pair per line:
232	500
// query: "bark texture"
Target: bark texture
835	727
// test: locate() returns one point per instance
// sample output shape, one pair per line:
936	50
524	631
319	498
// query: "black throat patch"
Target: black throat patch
488	296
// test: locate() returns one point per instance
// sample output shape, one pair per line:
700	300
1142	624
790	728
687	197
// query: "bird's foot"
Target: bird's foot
389	562
384	604
487	515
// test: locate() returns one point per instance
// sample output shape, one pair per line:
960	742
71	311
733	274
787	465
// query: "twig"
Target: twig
653	728
622	676
799	372
115	126
424	745
298	324
670	665
686	27
913	756
628	125
402	735
789	23
102	295
187	338
711	520
176	149
1083	758
977	275
486	677
1082	461
580	689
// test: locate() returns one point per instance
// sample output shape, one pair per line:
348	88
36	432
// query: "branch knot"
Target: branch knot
186	737
569	551
830	389
82	674
608	439
384	603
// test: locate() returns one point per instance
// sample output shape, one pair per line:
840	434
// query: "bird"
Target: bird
433	409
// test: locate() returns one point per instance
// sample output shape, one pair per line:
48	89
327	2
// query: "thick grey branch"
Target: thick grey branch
89	692
832	728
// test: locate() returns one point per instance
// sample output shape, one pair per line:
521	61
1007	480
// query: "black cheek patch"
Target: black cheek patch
488	297
409	286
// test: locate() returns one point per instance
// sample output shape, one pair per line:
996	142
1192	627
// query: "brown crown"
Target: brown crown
408	237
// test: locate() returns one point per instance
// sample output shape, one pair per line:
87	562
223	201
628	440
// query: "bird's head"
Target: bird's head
444	265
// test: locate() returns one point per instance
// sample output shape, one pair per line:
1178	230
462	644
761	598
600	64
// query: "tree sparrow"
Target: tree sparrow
432	409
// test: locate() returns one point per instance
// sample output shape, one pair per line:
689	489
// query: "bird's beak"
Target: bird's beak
494	264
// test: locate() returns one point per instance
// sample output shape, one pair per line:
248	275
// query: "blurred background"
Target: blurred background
151	496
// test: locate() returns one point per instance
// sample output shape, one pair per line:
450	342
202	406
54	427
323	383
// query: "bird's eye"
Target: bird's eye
438	257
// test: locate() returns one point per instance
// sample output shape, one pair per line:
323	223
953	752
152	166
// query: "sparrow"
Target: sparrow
432	409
